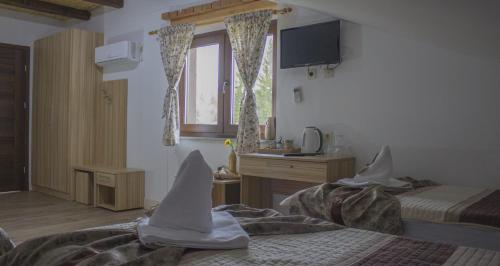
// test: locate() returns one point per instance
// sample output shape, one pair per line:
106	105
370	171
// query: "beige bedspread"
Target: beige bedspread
343	247
452	204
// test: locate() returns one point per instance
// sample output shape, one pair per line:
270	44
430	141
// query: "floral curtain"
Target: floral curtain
247	33
174	44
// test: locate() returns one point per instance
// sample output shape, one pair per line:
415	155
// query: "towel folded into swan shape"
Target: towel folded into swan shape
378	172
184	217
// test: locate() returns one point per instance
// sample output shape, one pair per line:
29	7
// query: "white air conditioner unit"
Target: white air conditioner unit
118	53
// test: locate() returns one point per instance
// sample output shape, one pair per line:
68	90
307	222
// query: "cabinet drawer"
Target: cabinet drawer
285	169
105	179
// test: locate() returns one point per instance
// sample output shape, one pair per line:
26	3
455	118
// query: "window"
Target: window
211	90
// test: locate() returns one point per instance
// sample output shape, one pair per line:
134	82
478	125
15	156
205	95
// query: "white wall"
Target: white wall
465	26
24	33
437	108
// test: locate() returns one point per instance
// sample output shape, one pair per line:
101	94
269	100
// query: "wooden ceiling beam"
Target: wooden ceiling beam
111	3
216	11
49	8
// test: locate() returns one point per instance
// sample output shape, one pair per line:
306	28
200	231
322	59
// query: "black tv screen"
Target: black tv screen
316	44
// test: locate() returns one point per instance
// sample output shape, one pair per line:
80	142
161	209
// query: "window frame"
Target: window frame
201	40
224	128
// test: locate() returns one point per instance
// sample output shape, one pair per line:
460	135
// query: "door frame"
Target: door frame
27	129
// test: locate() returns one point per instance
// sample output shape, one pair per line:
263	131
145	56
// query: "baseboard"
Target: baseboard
51	192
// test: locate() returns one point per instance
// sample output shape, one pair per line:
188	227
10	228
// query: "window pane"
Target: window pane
202	85
263	87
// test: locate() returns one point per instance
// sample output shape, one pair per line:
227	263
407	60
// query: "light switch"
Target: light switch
297	94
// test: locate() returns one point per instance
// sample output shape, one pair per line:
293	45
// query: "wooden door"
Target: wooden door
14	66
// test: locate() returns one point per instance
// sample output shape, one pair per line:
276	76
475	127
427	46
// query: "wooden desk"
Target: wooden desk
265	174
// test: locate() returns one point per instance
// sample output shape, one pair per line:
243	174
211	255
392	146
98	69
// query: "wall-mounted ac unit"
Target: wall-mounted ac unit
118	53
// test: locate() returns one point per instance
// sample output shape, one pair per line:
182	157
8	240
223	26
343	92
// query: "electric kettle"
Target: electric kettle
312	140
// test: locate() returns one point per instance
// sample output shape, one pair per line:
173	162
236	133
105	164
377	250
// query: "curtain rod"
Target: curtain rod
275	12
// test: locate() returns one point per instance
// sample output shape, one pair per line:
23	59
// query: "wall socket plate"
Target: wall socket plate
312	73
297	94
329	72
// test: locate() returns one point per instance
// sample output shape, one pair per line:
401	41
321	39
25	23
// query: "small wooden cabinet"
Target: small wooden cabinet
111	188
265	174
225	191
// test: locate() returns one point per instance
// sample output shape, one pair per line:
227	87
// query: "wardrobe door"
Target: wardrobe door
50	114
84	79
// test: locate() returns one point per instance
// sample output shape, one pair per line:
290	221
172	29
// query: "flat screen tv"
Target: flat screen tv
310	45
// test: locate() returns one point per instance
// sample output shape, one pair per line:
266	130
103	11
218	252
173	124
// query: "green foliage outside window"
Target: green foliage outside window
263	88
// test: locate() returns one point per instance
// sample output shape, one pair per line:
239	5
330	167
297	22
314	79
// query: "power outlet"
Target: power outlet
312	73
329	72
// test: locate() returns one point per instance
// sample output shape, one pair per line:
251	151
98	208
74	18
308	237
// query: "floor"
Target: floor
24	215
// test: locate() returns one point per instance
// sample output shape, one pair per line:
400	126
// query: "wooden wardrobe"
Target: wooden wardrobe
67	94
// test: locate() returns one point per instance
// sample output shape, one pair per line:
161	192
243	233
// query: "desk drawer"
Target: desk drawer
105	179
315	172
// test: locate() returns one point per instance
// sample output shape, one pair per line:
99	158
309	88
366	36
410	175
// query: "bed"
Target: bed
275	240
427	211
453	214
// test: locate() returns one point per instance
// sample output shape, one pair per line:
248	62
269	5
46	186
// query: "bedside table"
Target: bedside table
263	175
225	191
115	189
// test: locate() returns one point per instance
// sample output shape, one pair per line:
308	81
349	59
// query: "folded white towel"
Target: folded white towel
188	204
379	172
185	218
226	234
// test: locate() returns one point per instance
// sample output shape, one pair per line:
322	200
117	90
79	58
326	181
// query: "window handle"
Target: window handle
225	86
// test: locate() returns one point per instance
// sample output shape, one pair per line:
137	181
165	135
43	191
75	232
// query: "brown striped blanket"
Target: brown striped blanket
452	204
276	240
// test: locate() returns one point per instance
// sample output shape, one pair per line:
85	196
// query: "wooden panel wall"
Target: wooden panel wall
111	124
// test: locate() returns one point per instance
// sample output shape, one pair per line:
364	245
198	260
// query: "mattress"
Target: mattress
452	204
